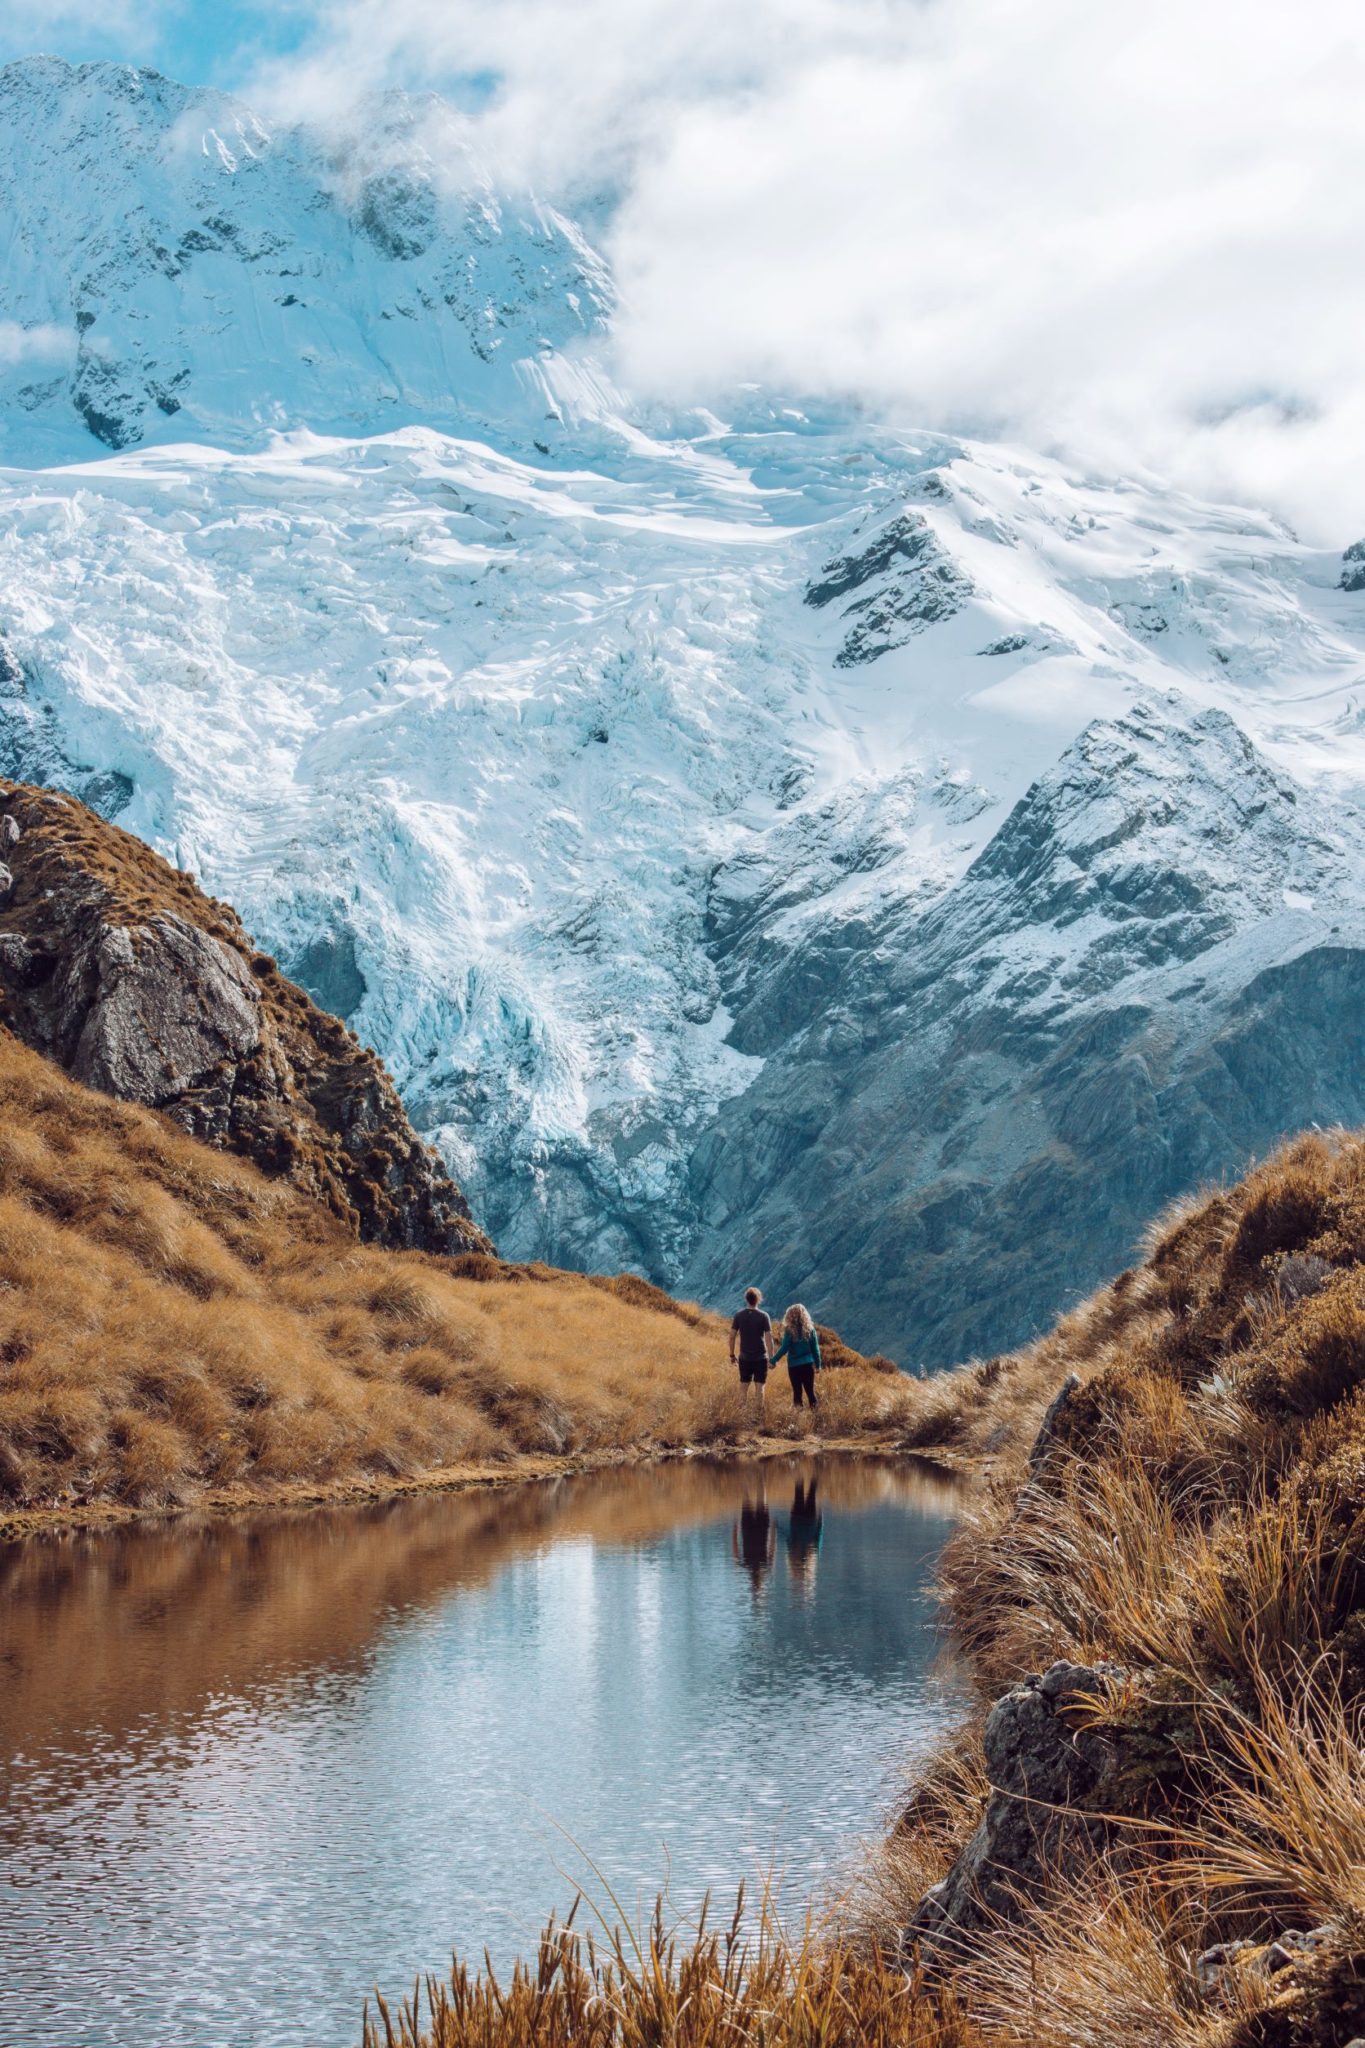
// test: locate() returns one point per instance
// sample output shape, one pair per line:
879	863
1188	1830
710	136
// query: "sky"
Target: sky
1131	234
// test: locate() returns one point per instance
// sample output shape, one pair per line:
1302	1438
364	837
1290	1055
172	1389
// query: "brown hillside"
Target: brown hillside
115	965
173	1322
1185	1559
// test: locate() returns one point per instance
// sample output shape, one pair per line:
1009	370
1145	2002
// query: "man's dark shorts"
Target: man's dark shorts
753	1372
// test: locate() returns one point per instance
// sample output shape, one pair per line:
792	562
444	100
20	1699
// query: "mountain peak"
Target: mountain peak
178	270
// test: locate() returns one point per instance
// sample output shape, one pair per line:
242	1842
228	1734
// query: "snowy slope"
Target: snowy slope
790	845
180	268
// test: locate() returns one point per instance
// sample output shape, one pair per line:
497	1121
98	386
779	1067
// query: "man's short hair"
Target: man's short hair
753	1296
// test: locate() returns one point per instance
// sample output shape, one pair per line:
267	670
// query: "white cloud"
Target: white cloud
38	346
1131	232
43	19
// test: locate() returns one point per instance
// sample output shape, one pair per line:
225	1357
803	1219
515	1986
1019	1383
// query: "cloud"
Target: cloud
1130	233
39	346
23	20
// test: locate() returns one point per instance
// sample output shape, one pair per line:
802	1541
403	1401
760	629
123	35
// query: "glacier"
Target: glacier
786	845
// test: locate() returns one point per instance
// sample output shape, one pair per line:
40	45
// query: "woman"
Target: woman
801	1348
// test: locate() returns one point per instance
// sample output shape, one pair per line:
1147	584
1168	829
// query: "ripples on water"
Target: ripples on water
253	1767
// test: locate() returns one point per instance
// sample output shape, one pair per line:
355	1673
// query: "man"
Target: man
752	1334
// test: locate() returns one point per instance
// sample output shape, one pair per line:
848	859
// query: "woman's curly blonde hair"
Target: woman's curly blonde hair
797	1320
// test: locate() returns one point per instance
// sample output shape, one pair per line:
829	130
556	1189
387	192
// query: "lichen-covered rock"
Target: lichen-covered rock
158	1009
116	966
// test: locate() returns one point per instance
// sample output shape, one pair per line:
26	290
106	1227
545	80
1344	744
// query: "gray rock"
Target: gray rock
9	830
170	1005
6	881
902	582
1047	1428
1048	1782
1210	1967
1290	1949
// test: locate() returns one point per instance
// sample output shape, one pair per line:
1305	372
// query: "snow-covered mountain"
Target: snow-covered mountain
182	271
787	847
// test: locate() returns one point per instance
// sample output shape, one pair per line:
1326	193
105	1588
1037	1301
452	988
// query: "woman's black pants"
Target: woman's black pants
802	1378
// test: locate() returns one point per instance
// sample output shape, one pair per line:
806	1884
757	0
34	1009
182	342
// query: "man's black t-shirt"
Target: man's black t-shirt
753	1326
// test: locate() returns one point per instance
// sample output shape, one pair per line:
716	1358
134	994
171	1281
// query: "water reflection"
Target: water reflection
753	1538
252	1767
805	1526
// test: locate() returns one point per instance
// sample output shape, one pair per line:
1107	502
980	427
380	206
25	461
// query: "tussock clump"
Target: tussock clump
696	1992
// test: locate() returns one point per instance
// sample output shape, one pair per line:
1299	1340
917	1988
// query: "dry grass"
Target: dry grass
1198	1523
704	1990
1109	1961
171	1321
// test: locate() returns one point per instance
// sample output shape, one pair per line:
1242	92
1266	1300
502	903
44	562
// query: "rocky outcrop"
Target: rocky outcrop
900	583
116	966
1047	1428
1049	1778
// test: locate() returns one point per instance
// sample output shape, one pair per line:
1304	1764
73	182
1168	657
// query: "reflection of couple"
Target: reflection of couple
754	1536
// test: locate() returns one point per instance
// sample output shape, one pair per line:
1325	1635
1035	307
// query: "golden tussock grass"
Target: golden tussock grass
172	1322
1198	1524
701	1989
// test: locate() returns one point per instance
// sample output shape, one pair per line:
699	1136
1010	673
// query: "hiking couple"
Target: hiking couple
751	1346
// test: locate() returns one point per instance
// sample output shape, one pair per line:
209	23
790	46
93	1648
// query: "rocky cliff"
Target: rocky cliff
115	965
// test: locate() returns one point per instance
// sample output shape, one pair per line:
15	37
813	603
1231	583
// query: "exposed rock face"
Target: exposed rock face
164	1008
114	965
902	582
1045	1773
1047	1428
1155	968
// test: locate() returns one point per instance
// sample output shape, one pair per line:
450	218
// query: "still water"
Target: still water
251	1768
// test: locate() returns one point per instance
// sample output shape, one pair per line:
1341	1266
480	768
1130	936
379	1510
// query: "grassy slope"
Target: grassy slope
1200	1524
174	1324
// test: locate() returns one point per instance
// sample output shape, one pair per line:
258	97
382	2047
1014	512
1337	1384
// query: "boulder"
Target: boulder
1049	1775
162	1007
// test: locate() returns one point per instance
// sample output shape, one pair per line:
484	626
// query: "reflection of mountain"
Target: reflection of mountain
319	1751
